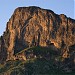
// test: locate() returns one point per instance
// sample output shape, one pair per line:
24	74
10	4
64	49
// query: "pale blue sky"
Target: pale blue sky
7	8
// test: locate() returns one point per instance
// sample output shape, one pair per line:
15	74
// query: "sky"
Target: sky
7	8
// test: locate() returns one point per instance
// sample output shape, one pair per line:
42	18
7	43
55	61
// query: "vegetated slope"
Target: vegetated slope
43	63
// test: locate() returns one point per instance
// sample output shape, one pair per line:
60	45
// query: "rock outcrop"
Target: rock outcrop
36	26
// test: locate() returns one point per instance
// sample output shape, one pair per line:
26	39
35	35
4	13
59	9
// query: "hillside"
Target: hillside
47	61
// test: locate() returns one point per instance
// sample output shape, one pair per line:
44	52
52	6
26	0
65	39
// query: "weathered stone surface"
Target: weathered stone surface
3	51
35	26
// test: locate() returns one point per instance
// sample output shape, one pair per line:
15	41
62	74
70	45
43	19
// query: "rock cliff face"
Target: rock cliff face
35	26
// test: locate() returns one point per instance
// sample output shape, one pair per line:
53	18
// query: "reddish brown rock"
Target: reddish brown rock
35	26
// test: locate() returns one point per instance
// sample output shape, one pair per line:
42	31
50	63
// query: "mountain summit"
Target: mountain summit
34	26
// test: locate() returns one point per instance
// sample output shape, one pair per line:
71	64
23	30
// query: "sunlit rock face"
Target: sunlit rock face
36	26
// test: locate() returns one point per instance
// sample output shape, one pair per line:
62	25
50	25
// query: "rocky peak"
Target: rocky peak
36	26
